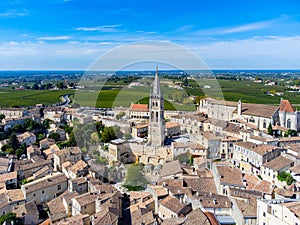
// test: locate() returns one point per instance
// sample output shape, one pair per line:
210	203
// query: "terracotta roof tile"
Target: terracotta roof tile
171	168
278	163
139	107
286	106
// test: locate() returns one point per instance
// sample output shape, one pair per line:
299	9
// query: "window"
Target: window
58	187
34	195
288	123
43	192
252	120
264	214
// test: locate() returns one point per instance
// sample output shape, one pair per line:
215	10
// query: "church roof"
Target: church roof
156	85
139	107
286	106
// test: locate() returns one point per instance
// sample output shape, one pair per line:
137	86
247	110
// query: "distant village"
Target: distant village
225	163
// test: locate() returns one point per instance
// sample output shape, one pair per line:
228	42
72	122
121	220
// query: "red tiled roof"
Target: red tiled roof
139	107
286	106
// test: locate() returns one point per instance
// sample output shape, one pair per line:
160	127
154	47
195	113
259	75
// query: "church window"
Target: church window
252	120
264	124
288	123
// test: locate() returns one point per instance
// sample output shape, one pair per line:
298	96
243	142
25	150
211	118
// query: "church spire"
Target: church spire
156	85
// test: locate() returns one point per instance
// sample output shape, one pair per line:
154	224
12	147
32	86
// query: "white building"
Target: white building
278	211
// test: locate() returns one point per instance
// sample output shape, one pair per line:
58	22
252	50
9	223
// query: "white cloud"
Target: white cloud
55	38
104	28
14	13
239	29
270	52
255	53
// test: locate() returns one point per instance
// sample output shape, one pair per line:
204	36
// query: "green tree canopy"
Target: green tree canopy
13	141
54	136
120	115
108	134
270	129
135	179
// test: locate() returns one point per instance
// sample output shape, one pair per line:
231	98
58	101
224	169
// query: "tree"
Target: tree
2	116
135	179
61	85
35	86
184	157
68	129
20	152
94	138
108	134
101	161
9	217
18	128
270	129
186	82
46	123
72	141
120	115
54	136
30	125
127	136
285	176
40	137
13	141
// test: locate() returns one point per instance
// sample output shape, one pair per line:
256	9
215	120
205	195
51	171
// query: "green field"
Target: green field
112	96
13	98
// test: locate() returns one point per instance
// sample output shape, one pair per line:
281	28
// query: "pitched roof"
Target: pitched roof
106	216
213	200
203	184
79	165
8	176
171	168
260	149
29	208
139	216
197	217
172	124
293	207
139	107
230	176
247	208
261	110
278	163
286	106
264	187
87	198
56	206
173	204
67	151
45	182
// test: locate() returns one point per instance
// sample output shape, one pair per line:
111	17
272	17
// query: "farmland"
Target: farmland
121	95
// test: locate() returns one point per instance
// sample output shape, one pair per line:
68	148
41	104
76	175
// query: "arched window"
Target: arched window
264	124
252	120
288	123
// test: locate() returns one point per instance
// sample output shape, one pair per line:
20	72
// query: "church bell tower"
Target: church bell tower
156	129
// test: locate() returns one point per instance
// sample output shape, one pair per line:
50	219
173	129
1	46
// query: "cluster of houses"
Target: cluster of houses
237	171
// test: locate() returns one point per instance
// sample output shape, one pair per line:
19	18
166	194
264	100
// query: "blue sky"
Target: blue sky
71	34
